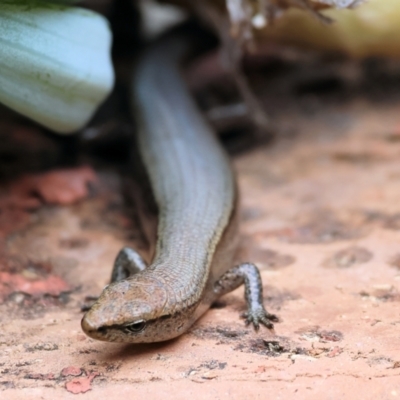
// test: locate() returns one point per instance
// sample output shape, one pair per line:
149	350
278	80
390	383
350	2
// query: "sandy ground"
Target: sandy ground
320	215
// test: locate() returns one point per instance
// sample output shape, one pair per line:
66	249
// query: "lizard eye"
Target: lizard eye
136	326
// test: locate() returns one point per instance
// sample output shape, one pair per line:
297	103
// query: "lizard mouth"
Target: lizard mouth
90	328
104	333
116	333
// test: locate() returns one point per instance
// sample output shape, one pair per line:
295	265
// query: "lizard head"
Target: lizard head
133	310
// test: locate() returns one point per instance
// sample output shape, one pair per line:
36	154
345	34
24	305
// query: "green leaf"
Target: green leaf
55	64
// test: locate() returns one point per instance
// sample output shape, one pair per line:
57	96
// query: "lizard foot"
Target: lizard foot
259	315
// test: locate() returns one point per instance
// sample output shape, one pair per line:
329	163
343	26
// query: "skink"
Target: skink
195	191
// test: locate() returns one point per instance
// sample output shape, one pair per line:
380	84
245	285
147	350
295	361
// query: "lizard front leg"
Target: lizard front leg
249	275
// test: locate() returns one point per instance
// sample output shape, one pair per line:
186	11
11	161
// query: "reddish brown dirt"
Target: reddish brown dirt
320	215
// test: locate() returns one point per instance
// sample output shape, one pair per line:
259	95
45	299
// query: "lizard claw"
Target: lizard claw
260	316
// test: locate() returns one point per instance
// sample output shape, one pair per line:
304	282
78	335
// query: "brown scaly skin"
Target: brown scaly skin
196	195
140	308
